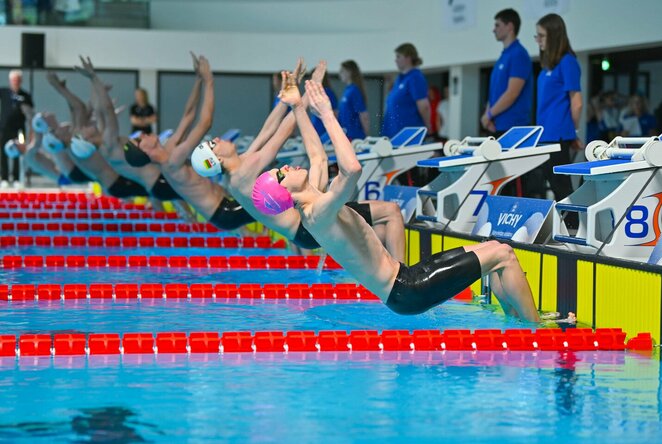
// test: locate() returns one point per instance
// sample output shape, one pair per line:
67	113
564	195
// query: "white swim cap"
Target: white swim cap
39	124
204	161
51	143
11	149
81	147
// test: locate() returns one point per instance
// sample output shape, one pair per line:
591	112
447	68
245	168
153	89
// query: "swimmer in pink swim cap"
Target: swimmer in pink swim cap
346	236
241	171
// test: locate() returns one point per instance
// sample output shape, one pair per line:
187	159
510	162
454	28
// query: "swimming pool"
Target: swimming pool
449	396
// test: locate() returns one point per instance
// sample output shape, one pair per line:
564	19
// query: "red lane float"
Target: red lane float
129	227
178	291
92	214
139	261
324	341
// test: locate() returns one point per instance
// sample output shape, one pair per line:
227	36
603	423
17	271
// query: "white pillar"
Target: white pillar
464	109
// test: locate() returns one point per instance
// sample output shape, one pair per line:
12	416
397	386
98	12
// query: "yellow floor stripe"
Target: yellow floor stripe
585	292
413	238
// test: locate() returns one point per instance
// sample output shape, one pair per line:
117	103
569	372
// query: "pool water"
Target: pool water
301	397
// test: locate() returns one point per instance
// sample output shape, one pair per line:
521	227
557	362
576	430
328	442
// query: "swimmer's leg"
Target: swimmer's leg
513	287
495	283
389	226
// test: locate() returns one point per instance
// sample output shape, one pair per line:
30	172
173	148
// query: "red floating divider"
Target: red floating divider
333	341
641	342
74	291
267	341
4	292
301	341
364	340
34	345
175	342
126	291
101	291
202	291
204	342
69	344
49	292
104	344
176	291
7	345
138	343
396	340
22	292
236	342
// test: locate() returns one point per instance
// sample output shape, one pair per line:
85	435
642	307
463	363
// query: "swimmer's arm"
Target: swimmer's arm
77	108
318	173
188	117
348	164
104	106
271	125
268	153
183	150
38	162
275	128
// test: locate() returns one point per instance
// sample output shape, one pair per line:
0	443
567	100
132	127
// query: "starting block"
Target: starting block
384	159
619	202
475	168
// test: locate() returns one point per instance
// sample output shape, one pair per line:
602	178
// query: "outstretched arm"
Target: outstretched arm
189	109
275	118
270	150
104	105
79	112
349	168
183	150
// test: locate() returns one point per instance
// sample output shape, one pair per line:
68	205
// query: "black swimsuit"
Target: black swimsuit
434	280
163	191
230	215
124	187
304	239
77	176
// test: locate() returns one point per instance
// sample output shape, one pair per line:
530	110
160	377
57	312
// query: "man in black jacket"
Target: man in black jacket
12	120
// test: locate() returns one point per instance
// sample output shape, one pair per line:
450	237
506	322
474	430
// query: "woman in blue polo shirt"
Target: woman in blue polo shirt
352	111
407	104
559	98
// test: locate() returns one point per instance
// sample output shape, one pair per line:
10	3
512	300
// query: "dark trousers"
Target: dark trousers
4	163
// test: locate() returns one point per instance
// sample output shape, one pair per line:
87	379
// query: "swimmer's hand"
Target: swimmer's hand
204	69
289	92
50	119
55	81
196	63
319	71
87	69
319	101
299	70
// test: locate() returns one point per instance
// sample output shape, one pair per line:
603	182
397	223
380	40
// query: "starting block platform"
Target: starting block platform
384	159
475	168
619	203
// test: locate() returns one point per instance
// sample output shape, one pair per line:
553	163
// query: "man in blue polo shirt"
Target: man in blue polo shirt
511	83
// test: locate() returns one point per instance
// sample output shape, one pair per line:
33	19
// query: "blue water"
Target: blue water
329	397
314	397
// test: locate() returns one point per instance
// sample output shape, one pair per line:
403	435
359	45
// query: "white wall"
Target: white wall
366	30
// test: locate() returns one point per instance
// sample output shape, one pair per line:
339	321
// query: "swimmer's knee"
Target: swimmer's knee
506	253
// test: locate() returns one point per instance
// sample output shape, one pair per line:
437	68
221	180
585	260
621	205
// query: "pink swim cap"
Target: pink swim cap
270	197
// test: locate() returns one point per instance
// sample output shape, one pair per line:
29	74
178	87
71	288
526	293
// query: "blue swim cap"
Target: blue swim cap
81	147
51	143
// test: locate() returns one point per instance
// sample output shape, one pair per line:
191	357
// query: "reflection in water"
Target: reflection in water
566	374
104	425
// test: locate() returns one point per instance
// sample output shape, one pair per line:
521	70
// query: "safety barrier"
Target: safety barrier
31	196
215	262
323	341
137	227
142	241
86	214
179	291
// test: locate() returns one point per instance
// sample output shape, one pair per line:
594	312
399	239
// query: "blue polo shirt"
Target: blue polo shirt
401	109
351	105
554	87
317	122
513	62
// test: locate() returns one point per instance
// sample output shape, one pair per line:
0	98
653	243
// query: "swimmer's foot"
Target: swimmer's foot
549	316
570	320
